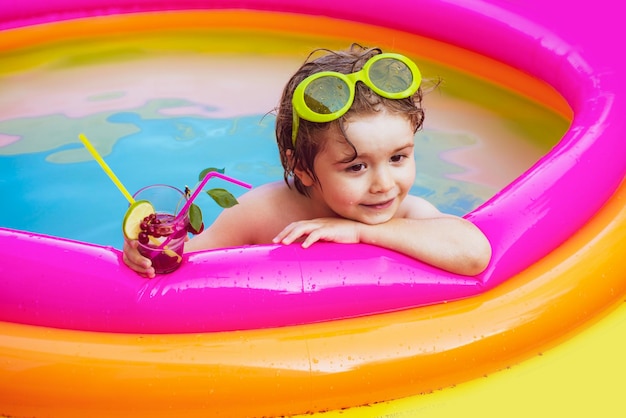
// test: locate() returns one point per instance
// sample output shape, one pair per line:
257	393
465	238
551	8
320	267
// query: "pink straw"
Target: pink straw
201	185
195	194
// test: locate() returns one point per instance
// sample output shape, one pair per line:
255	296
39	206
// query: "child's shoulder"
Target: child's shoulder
273	198
265	194
258	217
415	207
280	203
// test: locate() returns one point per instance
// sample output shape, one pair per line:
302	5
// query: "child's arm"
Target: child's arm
450	243
421	231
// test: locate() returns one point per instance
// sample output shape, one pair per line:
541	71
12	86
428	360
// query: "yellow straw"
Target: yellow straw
106	168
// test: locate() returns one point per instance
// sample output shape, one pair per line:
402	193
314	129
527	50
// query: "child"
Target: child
346	144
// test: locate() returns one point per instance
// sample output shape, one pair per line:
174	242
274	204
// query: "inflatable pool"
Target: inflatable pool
278	330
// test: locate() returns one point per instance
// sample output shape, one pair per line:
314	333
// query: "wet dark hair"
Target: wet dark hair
310	140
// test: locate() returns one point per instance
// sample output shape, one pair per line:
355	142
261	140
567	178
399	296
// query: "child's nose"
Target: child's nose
383	181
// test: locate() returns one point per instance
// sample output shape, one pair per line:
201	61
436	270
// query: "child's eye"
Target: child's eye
398	158
356	168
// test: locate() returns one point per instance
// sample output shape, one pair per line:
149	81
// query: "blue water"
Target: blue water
43	191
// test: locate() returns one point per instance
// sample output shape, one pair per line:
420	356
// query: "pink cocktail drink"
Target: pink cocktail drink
162	234
165	258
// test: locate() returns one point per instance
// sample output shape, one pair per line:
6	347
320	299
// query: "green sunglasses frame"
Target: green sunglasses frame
302	110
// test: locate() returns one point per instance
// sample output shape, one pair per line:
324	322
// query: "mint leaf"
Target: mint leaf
204	172
223	197
195	217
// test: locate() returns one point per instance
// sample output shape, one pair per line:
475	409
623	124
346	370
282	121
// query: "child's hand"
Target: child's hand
136	261
339	230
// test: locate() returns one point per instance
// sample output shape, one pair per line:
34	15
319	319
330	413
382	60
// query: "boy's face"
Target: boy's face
370	188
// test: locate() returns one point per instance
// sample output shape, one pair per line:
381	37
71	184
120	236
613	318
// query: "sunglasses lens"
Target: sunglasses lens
391	75
326	95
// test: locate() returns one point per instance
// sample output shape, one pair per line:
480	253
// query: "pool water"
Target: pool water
161	107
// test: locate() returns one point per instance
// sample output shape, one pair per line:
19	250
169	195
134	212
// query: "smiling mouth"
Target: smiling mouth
381	205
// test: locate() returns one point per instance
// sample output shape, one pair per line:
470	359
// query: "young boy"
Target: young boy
345	129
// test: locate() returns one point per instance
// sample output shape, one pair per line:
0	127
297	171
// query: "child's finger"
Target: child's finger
311	238
282	235
133	259
292	232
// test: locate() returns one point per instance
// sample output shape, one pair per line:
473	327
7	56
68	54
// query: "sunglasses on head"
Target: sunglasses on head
328	95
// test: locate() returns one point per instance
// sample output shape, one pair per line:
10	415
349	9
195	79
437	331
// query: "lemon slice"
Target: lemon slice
133	217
